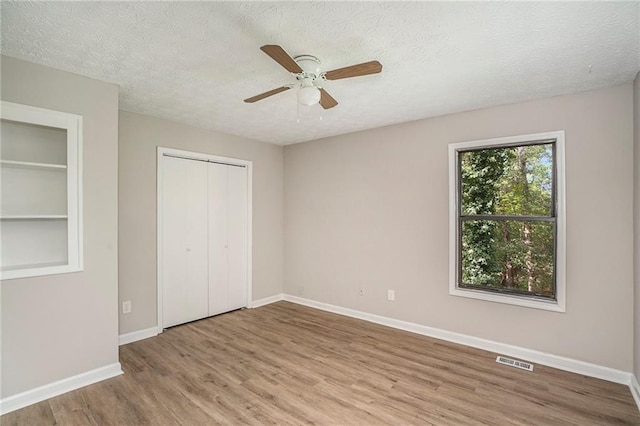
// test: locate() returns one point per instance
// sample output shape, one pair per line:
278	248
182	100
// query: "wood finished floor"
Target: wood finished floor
287	364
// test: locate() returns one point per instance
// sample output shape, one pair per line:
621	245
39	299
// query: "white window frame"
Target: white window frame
558	305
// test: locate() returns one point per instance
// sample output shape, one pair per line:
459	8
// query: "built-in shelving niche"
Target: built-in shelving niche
40	198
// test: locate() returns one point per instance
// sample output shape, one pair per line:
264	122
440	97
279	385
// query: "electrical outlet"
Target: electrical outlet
391	295
126	307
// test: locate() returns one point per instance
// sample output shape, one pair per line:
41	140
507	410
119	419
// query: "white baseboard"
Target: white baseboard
267	300
555	361
41	393
123	339
635	390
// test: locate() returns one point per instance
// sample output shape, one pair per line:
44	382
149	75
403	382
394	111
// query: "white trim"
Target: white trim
15	402
201	156
249	165
72	123
555	361
134	336
560	304
508	299
635	390
267	300
159	186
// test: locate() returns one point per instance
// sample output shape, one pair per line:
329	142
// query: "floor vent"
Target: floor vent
515	363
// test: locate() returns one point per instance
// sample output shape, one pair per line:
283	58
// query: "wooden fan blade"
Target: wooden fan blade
371	67
266	94
278	54
326	100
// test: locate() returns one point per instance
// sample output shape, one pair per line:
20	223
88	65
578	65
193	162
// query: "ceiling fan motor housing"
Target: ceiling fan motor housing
309	64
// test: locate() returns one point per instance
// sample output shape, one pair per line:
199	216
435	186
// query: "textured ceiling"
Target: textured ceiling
195	62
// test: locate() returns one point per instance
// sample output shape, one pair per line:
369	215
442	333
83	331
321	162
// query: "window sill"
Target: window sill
553	306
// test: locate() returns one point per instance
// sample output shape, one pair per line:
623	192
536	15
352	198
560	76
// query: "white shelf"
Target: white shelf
32	265
33	217
28	165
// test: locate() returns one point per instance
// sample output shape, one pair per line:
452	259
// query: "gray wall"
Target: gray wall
371	209
58	326
636	221
139	137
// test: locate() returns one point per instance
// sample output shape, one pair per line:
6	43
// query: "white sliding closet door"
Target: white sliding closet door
227	238
185	243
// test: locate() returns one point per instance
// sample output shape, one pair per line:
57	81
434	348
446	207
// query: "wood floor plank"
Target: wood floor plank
71	408
286	364
37	414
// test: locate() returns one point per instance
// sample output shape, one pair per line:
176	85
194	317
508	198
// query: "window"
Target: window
507	220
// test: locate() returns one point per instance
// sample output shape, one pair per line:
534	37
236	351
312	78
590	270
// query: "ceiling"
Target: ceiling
195	62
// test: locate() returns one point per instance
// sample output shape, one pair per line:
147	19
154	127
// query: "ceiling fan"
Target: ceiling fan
306	70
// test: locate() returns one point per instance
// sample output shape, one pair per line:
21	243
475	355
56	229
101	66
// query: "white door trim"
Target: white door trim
203	157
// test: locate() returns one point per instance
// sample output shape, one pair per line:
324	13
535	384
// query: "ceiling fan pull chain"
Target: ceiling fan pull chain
297	109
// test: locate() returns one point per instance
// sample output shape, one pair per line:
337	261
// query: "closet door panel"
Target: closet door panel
184	250
197	244
237	237
174	259
218	239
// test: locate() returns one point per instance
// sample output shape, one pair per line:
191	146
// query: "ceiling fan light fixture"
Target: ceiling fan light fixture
309	95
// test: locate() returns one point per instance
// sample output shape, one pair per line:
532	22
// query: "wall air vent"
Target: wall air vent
514	363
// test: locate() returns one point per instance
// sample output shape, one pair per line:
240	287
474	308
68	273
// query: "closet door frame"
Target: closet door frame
190	155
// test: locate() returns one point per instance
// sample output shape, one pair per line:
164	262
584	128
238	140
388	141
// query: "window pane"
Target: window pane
507	181
508	255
